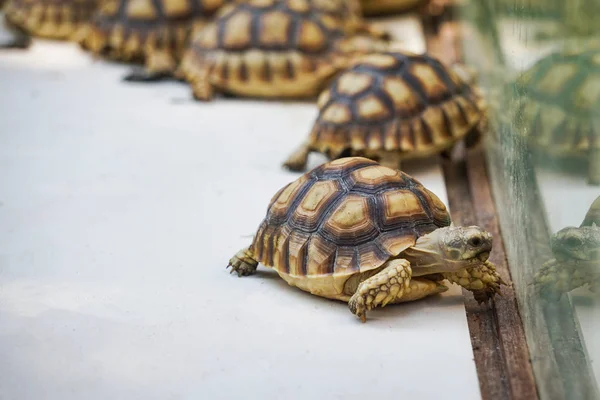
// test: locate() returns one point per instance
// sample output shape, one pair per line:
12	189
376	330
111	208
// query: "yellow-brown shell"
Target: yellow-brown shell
346	216
51	19
396	101
266	48
129	29
556	100
382	7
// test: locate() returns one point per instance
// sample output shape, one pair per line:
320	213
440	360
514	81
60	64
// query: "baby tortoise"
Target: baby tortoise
152	32
50	19
272	49
576	259
556	107
359	232
386	7
391	106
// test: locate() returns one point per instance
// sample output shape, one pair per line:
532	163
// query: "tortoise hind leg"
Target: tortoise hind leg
382	288
243	262
159	65
298	159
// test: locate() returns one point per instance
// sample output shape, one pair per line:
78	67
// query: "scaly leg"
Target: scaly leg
418	289
483	280
202	89
159	65
243	263
297	160
380	289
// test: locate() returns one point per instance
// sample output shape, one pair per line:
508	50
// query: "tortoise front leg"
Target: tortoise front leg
483	280
243	262
386	286
418	289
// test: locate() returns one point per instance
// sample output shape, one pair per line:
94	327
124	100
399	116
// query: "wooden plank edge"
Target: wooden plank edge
511	333
498	339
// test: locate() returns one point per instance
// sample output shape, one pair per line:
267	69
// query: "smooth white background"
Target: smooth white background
120	205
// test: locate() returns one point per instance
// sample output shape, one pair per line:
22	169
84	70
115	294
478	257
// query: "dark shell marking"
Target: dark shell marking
558	96
396	101
350	215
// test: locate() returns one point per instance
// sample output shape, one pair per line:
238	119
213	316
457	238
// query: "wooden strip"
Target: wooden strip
513	343
491	369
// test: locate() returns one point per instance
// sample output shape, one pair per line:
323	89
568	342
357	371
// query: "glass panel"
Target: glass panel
539	66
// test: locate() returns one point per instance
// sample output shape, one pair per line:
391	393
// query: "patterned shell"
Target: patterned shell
396	101
346	216
269	25
557	97
129	26
53	19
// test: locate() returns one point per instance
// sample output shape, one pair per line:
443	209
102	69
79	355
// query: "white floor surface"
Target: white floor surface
120	205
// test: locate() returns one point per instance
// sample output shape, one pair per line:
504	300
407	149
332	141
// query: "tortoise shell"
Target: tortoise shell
395	101
128	29
556	99
266	48
51	19
347	216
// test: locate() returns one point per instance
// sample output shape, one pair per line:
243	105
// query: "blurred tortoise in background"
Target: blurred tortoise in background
272	48
356	231
576	259
557	107
391	106
50	19
154	33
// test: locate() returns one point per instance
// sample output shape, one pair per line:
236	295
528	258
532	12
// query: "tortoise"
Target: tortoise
272	48
394	105
145	31
386	7
356	231
50	19
576	259
555	106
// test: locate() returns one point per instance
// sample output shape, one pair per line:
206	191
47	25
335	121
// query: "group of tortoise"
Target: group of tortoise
355	229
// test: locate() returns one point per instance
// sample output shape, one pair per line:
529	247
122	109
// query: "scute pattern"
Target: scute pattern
53	19
412	103
262	26
556	99
130	29
350	215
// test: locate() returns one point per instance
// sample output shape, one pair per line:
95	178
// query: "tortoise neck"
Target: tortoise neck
426	256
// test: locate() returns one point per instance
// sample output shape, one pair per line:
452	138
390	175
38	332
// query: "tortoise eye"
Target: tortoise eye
475	242
573	242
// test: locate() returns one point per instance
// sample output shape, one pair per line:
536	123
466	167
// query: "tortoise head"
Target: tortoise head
583	243
451	249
